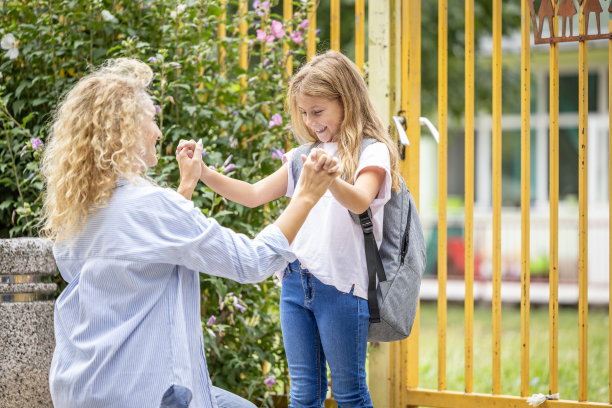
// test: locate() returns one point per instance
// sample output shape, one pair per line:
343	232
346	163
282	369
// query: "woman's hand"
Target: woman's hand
320	170
190	168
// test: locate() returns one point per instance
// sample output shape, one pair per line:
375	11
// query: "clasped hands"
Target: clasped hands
319	171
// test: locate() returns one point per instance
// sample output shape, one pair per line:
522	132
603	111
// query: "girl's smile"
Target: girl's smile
322	116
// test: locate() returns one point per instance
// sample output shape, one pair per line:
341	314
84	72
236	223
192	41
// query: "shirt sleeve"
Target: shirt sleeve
377	155
178	233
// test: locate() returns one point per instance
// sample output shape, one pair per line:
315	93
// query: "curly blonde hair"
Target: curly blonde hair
333	76
94	140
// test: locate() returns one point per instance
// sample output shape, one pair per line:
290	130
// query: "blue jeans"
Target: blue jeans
321	324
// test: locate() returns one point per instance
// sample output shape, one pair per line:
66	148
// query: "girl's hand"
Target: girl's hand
190	145
323	160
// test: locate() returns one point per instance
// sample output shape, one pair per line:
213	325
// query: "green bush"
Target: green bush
57	42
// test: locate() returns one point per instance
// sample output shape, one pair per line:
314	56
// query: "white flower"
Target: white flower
180	9
107	16
9	43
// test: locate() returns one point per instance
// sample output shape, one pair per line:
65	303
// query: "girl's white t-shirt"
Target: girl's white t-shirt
330	244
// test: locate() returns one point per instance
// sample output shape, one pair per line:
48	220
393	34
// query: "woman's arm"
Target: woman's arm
358	197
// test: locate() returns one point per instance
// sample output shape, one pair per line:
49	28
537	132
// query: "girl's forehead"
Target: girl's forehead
306	101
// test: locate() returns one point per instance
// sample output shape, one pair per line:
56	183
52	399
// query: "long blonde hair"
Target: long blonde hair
94	140
335	77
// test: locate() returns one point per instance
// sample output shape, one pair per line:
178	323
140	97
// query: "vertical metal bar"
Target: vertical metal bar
525	193
469	196
583	219
311	41
360	33
497	179
222	33
411	103
610	212
335	25
243	49
553	273
442	187
288	16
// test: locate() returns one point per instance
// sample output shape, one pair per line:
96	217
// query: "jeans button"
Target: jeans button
302	267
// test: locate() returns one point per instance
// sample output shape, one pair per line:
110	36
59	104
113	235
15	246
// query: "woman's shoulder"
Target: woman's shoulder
144	195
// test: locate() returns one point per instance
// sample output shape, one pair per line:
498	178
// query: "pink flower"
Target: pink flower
296	36
261	35
211	321
238	306
36	142
229	168
304	24
265	5
270	381
158	109
277	154
270	38
276	120
277	29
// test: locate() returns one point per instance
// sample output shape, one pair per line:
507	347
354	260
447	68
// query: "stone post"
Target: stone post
26	312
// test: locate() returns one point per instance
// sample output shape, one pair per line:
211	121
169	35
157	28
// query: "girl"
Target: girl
323	307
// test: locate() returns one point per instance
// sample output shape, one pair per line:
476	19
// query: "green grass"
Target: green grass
598	339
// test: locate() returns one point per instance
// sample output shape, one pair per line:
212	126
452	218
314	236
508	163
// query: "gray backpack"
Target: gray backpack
399	263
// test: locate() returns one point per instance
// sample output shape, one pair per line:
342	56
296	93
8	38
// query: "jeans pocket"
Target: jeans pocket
176	397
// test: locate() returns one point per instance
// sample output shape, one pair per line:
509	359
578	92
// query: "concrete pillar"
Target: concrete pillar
26	312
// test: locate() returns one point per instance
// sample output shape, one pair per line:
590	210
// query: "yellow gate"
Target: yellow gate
394	45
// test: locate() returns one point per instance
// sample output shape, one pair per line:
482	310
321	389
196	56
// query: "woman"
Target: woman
127	326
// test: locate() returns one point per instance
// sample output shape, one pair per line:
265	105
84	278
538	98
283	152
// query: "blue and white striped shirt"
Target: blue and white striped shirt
128	326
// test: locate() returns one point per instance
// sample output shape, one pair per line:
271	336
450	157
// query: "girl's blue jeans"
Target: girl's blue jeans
321	324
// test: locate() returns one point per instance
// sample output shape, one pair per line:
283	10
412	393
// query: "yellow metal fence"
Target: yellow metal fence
402	76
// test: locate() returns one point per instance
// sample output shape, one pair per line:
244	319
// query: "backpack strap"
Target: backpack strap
373	259
374	262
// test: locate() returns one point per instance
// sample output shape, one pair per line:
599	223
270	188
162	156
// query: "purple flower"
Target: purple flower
36	142
235	113
174	64
317	31
304	23
238	306
265	5
158	109
276	120
203	153
261	35
277	29
277	154
270	381
229	168
256	4
152	60
133	37
31	175
266	62
296	36
211	321
228	160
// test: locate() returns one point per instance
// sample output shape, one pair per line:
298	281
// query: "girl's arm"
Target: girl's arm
238	191
358	197
241	192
